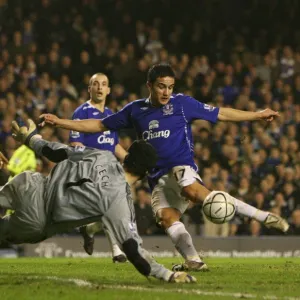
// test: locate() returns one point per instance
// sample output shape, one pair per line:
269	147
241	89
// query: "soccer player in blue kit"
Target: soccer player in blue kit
164	120
95	108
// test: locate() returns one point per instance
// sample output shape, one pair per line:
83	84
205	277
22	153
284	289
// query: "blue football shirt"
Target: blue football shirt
166	128
105	140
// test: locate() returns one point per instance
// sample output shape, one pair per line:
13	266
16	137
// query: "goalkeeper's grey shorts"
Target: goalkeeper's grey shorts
119	221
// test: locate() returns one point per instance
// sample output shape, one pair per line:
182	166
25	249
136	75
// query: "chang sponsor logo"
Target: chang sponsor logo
102	139
105	139
151	134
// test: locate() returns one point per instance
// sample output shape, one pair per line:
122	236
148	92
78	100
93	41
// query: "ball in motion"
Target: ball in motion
219	207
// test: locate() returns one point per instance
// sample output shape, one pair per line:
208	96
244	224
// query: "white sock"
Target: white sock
247	210
93	228
116	250
183	241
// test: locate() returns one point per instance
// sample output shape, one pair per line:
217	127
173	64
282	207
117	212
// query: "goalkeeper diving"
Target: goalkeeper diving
86	185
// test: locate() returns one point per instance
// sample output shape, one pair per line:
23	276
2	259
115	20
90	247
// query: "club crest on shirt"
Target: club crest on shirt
208	107
168	109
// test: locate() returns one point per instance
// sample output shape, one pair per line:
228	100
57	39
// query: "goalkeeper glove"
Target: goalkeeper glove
25	133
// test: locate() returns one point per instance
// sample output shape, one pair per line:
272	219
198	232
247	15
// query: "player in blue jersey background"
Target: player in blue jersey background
95	108
164	120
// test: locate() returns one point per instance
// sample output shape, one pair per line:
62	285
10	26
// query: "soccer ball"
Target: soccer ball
219	207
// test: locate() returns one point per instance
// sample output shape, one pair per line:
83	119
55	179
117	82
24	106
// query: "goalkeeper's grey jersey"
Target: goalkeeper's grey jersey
84	184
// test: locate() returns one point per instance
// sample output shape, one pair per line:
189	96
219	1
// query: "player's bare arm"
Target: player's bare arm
236	115
87	126
120	152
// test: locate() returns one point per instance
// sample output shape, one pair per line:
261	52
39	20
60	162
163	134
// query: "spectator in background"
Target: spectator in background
23	159
83	67
264	71
154	45
280	202
287	64
16	46
295	222
28	32
228	90
254	228
67	67
121	72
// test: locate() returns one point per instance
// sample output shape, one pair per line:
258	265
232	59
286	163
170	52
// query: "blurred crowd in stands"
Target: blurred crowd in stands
240	54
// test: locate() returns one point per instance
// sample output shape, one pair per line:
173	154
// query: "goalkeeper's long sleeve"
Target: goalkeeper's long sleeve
58	152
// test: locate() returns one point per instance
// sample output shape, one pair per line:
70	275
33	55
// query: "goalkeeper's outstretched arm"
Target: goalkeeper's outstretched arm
54	151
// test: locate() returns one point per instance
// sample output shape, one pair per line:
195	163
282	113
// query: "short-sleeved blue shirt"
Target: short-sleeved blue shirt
167	128
104	141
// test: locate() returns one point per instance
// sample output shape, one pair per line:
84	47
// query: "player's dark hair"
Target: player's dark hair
141	158
160	70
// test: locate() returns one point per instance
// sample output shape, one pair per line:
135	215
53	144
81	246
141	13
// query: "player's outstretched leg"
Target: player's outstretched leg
275	221
270	220
198	193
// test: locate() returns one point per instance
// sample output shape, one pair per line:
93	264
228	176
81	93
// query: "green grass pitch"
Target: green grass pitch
230	278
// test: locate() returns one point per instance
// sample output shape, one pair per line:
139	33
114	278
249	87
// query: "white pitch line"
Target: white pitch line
85	283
